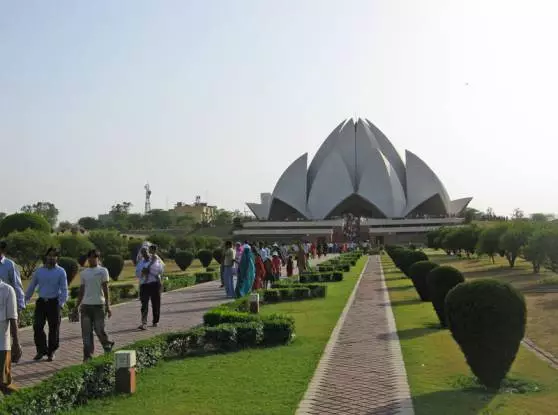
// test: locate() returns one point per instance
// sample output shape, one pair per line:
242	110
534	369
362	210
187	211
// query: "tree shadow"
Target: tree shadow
406	334
433	326
406	302
454	402
403	288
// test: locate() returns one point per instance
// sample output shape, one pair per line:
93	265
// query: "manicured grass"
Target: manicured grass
262	381
541	307
436	367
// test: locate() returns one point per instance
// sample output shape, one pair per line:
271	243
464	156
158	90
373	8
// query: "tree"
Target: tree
27	248
134	246
73	246
489	240
487	318
89	223
418	273
23	221
119	215
513	240
472	214
185	243
114	264
108	242
2	215
162	240
541	247
159	218
440	281
65	226
184	259
518	214
223	217
205	256
542	217
137	221
46	209
71	267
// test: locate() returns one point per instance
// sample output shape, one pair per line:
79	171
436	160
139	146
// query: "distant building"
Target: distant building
201	212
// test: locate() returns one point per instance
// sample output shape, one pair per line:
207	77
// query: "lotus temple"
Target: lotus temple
357	173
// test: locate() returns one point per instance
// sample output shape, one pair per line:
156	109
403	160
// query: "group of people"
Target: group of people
92	305
257	266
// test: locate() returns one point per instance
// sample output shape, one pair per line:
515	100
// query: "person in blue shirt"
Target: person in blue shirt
53	294
9	273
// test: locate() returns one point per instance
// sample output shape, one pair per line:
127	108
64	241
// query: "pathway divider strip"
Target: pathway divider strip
310	395
395	346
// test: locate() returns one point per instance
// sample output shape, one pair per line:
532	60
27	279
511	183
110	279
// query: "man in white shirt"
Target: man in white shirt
149	271
93	303
10	348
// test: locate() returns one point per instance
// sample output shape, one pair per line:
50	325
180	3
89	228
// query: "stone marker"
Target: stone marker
125	362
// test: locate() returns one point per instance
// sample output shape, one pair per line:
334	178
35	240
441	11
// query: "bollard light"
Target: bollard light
254	303
125	363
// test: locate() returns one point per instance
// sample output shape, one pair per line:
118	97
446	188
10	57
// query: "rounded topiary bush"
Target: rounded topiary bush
23	221
439	281
418	273
114	264
218	255
71	267
410	257
487	319
183	259
205	256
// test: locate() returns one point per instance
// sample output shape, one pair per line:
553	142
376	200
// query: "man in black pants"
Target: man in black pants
149	271
53	294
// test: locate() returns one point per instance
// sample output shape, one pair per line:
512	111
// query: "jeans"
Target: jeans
228	280
93	319
47	310
150	291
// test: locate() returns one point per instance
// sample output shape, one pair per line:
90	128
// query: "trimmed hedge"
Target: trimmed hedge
440	281
418	273
206	276
334	276
114	264
183	259
316	290
487	319
205	256
77	385
71	267
178	281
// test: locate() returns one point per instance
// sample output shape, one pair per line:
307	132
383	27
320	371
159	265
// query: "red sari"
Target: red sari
260	274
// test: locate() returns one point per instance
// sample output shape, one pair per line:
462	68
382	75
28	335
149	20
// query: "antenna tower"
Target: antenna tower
147	198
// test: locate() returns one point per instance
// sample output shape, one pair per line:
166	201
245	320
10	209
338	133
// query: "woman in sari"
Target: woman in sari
260	270
301	261
246	273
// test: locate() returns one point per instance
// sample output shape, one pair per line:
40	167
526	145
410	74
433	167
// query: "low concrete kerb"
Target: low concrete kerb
404	392
305	406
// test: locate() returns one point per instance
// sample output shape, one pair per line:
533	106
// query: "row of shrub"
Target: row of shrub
79	384
321	276
487	318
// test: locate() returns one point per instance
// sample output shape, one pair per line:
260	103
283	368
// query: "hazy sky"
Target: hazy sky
217	98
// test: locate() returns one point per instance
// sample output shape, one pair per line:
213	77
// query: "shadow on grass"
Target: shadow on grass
454	402
406	334
402	288
406	302
433	326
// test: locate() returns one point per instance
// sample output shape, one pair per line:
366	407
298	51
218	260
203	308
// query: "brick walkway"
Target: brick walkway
180	310
362	370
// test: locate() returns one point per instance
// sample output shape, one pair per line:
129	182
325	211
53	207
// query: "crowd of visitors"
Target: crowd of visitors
245	267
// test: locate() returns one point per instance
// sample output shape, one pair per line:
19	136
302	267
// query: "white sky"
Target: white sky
217	98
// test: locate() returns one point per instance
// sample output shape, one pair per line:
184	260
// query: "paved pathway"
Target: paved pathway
180	310
362	370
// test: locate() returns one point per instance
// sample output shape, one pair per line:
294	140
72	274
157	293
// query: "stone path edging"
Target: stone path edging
311	392
395	345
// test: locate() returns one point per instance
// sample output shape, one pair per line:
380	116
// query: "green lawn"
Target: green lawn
435	365
541	306
263	381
